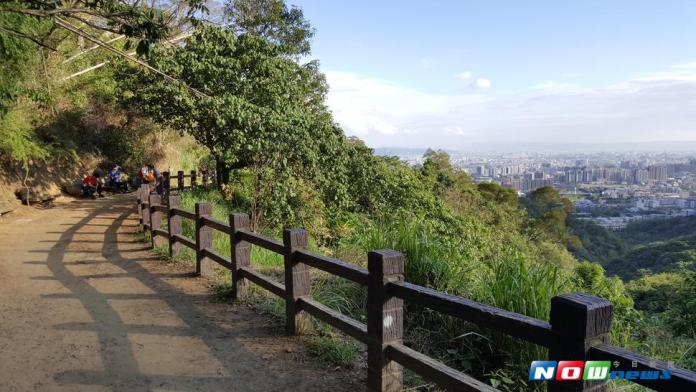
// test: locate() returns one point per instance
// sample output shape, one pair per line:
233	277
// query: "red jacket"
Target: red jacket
90	181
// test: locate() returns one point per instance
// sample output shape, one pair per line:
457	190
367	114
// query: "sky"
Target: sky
451	74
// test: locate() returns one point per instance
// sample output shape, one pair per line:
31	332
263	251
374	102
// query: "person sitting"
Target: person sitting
125	180
139	178
149	174
92	185
115	180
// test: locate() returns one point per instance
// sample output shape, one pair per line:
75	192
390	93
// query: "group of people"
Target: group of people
117	180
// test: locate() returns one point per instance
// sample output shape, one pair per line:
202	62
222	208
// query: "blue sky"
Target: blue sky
452	73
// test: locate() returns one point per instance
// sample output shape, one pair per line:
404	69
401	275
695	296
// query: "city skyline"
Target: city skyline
452	75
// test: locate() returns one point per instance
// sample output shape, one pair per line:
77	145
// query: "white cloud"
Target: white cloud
649	107
466	75
460	131
481	83
365	105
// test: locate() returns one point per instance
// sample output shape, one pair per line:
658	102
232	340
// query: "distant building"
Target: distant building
657	173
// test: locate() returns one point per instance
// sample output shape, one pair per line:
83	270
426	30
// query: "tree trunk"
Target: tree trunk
222	172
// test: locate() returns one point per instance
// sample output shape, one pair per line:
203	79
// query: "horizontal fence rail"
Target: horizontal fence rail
578	328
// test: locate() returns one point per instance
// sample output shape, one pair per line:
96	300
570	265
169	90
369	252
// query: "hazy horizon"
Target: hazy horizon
677	147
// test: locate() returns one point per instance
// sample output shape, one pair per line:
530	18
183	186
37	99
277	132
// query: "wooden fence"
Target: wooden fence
578	328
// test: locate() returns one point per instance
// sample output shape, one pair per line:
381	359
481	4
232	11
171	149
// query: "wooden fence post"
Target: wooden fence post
180	180
155	219
165	186
385	320
297	281
146	211
579	321
139	200
204	177
159	187
204	238
241	255
193	179
174	226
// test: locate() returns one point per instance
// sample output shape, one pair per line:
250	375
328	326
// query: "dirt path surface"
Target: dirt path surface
84	306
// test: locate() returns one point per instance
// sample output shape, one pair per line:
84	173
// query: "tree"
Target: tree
548	211
262	112
273	21
148	23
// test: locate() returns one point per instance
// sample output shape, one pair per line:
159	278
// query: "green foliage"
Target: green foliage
590	278
262	118
598	244
654	257
549	212
18	56
147	23
17	138
263	115
671	296
273	21
337	352
655	338
652	230
653	293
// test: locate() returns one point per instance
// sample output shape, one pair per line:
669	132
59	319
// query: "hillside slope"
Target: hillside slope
656	257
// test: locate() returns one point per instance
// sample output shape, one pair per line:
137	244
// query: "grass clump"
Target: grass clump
333	350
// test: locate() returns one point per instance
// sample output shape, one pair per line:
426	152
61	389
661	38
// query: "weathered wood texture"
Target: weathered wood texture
263	281
209	221
187	242
485	316
436	371
204	239
166	186
385	320
336	267
264	242
297	280
183	213
180	180
579	322
156	221
174	226
578	328
344	323
241	255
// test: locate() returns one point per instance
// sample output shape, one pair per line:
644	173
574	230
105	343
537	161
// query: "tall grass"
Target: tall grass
221	242
473	266
504	279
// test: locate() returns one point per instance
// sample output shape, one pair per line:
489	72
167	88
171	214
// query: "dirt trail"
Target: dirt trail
85	307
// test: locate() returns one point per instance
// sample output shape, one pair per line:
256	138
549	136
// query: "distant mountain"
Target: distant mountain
402	151
399	151
686	146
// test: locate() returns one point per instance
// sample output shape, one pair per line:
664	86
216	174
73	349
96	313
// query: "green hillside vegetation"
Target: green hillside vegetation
641	232
643	247
597	243
654	257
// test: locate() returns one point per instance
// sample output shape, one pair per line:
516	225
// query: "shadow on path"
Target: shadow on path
171	343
